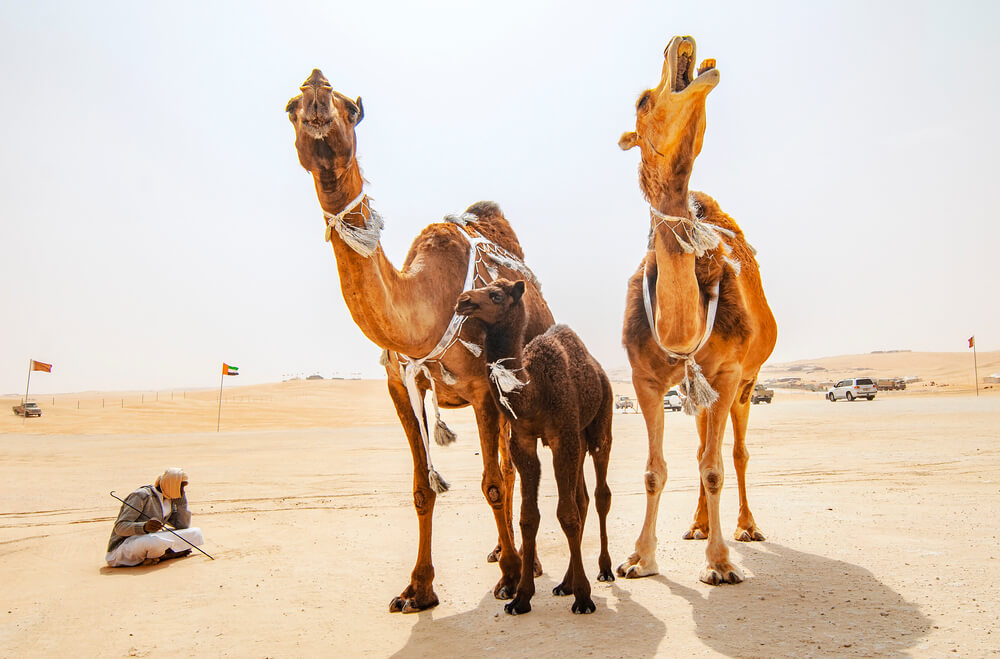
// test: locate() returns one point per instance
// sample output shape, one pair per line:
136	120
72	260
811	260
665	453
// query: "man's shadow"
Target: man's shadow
549	629
798	603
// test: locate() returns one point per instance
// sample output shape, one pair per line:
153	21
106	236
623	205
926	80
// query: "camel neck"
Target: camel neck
506	342
666	186
335	192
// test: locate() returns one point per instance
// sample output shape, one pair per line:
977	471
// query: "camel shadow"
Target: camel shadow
487	631
798	604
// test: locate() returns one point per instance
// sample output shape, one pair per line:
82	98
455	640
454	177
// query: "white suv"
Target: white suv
853	388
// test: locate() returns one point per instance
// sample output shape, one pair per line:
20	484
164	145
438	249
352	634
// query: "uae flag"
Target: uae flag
972	341
41	366
229	370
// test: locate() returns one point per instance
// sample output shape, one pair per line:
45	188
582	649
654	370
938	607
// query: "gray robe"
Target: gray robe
130	522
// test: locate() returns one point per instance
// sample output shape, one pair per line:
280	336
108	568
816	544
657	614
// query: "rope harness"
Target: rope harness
699	238
364	240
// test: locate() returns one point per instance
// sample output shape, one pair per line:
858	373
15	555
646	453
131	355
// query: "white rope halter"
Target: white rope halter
364	239
506	381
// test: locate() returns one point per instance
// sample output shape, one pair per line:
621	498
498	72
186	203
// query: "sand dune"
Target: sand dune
879	516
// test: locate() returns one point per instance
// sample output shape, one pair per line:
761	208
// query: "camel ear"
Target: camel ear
627	141
361	111
517	291
292	104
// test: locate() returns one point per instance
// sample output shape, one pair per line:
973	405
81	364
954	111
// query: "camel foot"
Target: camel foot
562	590
517	606
726	572
584	605
606	575
403	604
751	534
634	567
696	533
494	555
538	567
505	589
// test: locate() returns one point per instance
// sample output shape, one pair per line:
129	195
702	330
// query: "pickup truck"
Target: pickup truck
28	409
761	394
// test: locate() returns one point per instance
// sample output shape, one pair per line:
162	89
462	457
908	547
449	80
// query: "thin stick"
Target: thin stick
218	421
30	362
166	528
975	363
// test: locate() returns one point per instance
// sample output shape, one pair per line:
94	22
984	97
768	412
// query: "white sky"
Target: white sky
156	222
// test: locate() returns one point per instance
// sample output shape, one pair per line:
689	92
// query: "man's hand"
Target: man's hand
152	526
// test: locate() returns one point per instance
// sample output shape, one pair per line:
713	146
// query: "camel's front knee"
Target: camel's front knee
423	500
712	479
654	479
493	490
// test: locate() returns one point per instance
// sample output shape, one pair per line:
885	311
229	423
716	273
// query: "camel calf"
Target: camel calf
553	389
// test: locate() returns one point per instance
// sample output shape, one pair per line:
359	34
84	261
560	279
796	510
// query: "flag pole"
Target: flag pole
975	363
30	362
218	421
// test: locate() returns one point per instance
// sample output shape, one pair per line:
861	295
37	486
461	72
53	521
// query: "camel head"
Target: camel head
670	118
492	304
324	122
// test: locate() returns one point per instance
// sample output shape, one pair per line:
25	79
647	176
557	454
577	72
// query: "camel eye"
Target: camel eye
643	100
497	297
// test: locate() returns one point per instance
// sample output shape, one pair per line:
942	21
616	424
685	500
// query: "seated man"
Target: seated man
136	538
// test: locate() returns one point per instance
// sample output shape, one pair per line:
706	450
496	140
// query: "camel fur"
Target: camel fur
670	128
554	389
407	311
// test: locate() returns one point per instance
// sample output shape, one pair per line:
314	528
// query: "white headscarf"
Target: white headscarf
169	483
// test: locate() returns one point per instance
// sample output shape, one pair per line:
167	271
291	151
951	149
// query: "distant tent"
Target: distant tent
992	379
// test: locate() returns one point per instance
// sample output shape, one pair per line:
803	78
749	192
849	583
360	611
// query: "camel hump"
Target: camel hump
485	209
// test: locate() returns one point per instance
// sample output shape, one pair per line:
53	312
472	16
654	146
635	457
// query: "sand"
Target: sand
880	516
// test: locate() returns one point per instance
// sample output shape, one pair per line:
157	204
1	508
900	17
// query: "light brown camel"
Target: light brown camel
554	389
410	313
699	269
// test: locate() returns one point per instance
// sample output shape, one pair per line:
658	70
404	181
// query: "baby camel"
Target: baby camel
563	396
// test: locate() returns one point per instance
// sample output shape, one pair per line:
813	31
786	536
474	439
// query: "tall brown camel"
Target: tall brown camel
410	313
553	389
695	310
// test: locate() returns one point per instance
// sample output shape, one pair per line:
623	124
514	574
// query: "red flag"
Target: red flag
972	341
41	366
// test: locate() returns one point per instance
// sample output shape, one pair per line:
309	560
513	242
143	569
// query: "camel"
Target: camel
695	310
410	314
565	399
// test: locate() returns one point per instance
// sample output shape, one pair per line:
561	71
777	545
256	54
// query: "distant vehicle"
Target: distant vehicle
761	394
29	408
889	384
624	403
672	402
852	388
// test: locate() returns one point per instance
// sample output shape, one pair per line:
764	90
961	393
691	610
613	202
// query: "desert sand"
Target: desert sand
880	519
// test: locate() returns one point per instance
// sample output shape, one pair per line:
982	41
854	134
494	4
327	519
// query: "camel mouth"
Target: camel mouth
317	128
680	55
466	307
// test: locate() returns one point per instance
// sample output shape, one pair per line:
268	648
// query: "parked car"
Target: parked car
27	409
761	394
852	388
624	403
673	401
888	384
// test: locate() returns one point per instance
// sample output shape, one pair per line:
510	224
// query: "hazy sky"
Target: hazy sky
156	222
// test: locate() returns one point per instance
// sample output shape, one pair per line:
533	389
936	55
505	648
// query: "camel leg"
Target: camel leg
582	504
420	593
699	527
602	493
642	563
525	457
508	473
719	569
746	528
488	420
566	459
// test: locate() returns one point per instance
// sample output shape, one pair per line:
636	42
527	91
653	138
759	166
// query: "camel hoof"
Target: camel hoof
517	607
504	592
632	569
696	534
562	590
606	575
585	605
716	576
749	535
494	555
409	605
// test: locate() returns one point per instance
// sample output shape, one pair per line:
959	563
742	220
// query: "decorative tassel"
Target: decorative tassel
472	347
506	382
444	435
383	359
446	375
461	219
699	394
734	264
437	483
